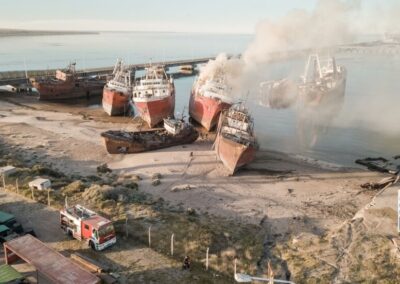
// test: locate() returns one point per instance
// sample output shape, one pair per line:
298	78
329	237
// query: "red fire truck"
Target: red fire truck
84	224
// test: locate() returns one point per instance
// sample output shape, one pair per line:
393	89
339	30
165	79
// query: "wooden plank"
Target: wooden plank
89	264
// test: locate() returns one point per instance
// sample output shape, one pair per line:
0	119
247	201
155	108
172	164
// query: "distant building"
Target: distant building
40	184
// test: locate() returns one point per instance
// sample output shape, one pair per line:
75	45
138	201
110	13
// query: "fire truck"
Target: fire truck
84	224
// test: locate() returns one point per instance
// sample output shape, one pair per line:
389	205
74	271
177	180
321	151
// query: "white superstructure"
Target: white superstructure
122	79
155	85
215	88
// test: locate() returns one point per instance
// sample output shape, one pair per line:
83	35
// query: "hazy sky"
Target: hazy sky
232	16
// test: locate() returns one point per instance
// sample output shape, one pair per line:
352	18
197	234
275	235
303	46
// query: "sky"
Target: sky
217	16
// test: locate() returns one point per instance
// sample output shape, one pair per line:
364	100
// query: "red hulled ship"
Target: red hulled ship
117	91
67	85
154	96
235	142
208	98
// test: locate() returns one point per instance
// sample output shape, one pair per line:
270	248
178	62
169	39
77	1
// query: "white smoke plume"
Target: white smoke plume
325	26
230	68
332	22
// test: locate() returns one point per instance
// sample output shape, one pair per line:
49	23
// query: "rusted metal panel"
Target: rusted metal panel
47	261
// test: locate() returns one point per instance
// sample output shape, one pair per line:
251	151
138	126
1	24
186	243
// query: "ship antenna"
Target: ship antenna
244	102
183	112
26	71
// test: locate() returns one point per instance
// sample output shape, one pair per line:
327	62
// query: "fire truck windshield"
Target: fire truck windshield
106	230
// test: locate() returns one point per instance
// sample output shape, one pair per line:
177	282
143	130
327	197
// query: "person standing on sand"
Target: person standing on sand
186	263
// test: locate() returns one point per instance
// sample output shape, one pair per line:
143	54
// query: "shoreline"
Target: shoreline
24	33
298	207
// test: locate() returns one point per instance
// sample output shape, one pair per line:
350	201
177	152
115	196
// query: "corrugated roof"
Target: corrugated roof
8	274
7	170
4	217
49	262
4	228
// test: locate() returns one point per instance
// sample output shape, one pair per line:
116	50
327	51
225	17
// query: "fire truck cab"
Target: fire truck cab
84	224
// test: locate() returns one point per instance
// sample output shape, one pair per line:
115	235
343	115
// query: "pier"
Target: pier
21	76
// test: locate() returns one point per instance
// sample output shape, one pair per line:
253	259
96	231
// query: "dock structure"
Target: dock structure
19	77
22	76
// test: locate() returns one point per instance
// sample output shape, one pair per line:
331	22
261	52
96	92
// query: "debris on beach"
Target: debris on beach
156	176
380	164
156	182
103	169
182	187
384	183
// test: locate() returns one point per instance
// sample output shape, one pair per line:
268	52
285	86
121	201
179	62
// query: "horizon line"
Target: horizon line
122	31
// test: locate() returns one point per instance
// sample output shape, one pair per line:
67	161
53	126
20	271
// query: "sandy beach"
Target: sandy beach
288	197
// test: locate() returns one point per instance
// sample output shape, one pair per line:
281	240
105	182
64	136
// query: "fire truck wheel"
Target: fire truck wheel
91	244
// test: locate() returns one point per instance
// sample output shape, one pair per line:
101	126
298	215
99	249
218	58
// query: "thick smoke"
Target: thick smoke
228	68
332	22
327	25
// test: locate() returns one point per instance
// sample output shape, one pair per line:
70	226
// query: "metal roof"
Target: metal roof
39	181
7	170
49	262
4	228
4	217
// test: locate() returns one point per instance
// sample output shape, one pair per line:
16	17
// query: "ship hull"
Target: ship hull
154	111
156	139
232	154
115	102
64	91
205	110
314	97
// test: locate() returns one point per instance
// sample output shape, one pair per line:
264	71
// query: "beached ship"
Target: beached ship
67	85
154	96
278	94
186	69
235	143
175	132
208	98
117	92
323	83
